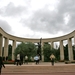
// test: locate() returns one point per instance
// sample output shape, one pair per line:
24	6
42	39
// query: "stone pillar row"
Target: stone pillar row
6	42
70	51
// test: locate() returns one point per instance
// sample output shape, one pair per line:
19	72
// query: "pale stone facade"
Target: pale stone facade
15	39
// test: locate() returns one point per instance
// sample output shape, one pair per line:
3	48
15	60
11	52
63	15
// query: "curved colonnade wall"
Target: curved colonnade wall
15	39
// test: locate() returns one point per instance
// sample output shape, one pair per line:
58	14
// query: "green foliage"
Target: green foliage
8	62
47	51
66	52
9	52
9	57
28	49
57	54
73	47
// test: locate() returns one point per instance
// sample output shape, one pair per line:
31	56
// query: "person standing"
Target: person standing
31	58
52	57
26	59
1	64
18	59
36	59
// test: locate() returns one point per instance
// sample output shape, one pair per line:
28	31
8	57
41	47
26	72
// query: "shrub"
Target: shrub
8	62
67	62
73	61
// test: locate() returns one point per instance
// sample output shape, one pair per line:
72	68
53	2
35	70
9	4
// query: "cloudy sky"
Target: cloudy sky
37	18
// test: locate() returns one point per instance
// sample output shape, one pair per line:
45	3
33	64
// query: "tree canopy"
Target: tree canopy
28	49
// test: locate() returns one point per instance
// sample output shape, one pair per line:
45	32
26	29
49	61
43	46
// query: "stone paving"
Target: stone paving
40	69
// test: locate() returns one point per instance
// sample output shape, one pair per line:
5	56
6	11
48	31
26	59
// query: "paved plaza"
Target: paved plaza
44	68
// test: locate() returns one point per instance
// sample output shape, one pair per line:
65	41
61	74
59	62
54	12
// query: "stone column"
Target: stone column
52	46
42	51
13	48
70	51
74	40
1	43
61	50
6	47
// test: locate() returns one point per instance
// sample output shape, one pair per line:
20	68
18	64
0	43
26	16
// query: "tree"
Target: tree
9	52
46	52
57	54
66	52
73	47
28	49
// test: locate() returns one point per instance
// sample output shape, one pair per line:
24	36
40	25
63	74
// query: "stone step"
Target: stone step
38	69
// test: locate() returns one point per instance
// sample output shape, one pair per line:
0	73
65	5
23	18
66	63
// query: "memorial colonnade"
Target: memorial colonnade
15	39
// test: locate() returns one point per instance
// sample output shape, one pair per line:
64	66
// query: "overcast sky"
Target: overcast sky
37	18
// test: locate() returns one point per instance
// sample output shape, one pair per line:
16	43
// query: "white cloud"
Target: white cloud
37	18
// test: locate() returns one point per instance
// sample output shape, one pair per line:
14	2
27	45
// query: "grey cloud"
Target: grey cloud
5	26
45	20
12	10
68	6
53	21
